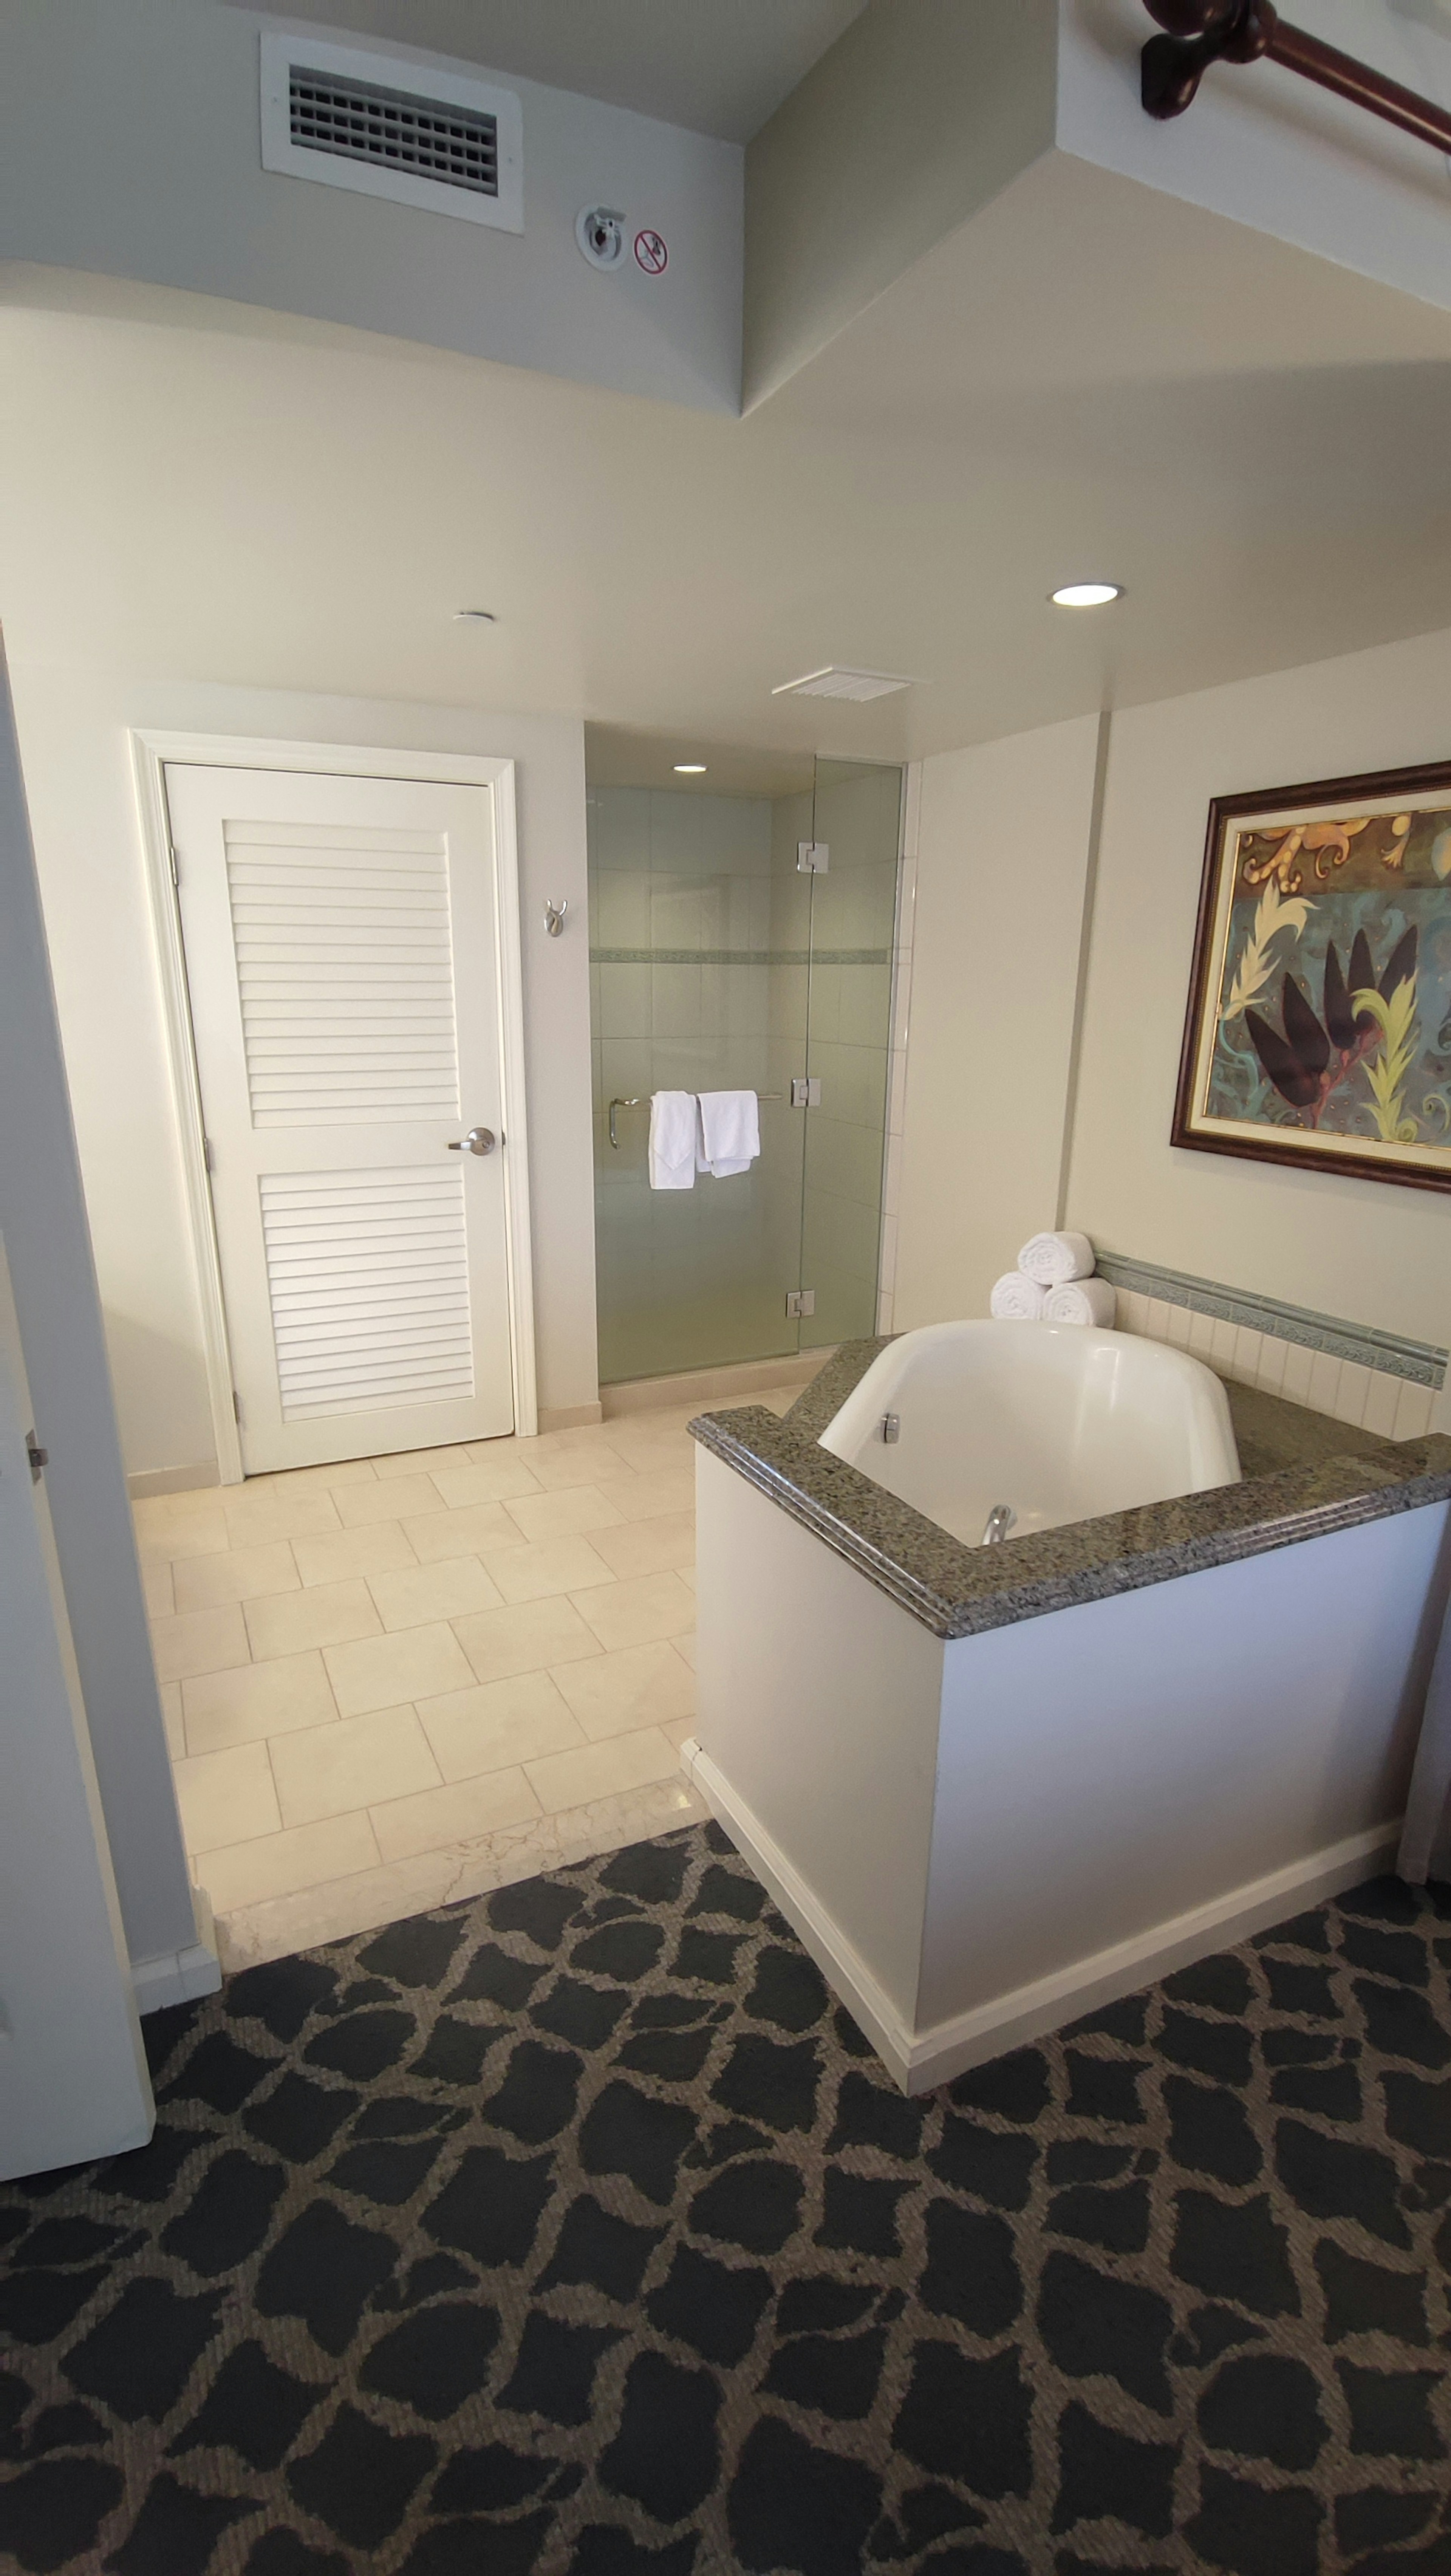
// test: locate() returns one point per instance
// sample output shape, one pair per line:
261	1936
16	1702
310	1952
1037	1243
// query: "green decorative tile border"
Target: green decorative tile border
740	957
1391	1354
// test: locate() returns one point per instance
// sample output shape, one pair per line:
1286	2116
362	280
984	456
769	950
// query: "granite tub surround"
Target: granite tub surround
996	1789
1304	1475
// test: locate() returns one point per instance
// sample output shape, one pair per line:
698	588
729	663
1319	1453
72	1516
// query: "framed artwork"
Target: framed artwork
1319	1023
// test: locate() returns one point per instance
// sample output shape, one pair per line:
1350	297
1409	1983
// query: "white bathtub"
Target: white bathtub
982	1833
1059	1421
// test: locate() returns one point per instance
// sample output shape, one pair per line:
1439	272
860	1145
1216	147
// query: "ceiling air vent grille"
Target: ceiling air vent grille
837	682
394	131
424	136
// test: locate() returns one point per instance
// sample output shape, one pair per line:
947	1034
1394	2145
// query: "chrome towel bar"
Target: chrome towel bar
643	1102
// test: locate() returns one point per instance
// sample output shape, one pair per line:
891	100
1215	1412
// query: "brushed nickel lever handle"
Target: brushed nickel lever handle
479	1140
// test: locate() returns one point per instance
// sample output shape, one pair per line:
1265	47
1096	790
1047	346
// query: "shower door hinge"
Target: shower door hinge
813	858
801	1301
806	1091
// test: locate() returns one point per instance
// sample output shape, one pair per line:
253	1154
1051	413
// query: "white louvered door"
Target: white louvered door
341	941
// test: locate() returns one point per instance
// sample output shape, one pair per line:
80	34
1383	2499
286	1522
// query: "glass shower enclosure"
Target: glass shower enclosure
742	942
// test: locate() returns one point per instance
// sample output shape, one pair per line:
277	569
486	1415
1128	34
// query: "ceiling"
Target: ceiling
719	70
1085	380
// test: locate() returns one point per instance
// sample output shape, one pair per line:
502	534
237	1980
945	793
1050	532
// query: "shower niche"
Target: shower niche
741	937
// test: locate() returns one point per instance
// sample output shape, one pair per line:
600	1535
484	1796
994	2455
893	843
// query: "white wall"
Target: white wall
1005	849
1367	1250
43	1222
74	726
1002	857
130	146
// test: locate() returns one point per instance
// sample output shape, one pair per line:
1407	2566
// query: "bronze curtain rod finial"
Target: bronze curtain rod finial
1198	33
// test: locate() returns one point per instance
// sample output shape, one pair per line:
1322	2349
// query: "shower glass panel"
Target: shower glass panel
713	960
857	813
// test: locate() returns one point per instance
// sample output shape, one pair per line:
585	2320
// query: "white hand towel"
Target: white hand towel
1056	1258
730	1129
1018	1300
1081	1301
674	1121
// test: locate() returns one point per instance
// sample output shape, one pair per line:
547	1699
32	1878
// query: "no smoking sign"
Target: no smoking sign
651	253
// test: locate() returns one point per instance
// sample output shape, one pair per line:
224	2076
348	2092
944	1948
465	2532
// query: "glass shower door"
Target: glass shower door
718	963
692	992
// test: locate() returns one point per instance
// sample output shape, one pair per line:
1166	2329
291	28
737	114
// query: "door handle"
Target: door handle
479	1140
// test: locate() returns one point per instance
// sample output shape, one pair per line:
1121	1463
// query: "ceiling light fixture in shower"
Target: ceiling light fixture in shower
1087	594
690	769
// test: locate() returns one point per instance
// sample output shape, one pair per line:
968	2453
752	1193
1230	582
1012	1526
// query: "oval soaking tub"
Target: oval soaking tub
1059	1422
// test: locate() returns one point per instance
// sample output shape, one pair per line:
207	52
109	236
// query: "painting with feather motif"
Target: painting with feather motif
1319	1024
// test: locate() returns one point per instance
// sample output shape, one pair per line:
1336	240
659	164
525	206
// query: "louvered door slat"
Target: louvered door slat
337	931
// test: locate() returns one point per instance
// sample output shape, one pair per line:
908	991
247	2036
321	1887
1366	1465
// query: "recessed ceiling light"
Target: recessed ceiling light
1087	594
690	769
475	617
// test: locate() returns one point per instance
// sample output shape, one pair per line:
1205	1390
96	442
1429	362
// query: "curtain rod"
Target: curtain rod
1201	32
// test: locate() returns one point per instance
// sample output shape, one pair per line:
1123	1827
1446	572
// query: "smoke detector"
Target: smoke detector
388	127
838	682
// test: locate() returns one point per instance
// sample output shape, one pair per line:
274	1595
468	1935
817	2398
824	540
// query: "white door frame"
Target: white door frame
150	753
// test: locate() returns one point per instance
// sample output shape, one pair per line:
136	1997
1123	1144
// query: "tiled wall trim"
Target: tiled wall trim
740	956
1386	1354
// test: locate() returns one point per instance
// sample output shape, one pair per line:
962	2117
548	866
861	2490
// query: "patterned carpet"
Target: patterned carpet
574	2232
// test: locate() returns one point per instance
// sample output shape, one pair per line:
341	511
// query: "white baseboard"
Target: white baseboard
866	2001
922	2059
177	1976
172	1480
569	1417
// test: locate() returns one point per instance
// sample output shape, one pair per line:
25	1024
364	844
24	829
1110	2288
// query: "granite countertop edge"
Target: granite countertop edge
1336	1479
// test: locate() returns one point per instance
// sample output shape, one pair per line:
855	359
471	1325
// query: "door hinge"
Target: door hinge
236	1404
39	1458
175	866
813	858
208	1155
806	1091
801	1301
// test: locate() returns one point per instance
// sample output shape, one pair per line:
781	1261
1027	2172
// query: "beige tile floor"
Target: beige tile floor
397	1681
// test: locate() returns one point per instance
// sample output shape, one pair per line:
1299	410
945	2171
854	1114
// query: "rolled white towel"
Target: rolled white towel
1054	1259
1081	1301
1017	1300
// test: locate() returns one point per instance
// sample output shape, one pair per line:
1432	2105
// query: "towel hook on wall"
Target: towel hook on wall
554	916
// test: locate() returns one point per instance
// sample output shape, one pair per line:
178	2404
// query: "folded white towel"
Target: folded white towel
730	1132
1081	1301
1056	1258
674	1126
1018	1300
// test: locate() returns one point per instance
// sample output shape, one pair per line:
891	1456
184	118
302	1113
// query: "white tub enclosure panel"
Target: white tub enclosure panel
981	1839
818	1705
1109	1769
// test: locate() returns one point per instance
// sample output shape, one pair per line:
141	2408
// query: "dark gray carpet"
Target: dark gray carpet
574	2232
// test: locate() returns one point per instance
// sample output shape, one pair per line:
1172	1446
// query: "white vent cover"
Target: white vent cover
380	124
835	682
